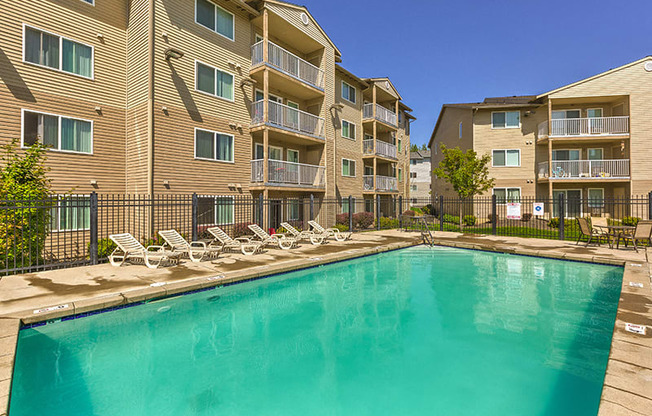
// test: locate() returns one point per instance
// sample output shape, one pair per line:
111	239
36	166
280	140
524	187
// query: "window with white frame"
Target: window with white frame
506	119
293	209
348	130
57	132
505	195
348	168
215	18
212	145
348	92
56	52
596	197
345	205
214	82
215	210
506	158
70	213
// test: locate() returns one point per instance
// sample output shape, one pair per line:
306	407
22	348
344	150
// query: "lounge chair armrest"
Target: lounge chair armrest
198	244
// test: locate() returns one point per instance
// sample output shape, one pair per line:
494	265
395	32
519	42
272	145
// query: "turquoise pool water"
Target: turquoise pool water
417	331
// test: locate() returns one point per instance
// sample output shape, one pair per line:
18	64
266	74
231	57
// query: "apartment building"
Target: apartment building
218	97
420	177
587	140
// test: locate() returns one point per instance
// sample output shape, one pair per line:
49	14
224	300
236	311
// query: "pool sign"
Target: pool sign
514	211
537	208
637	329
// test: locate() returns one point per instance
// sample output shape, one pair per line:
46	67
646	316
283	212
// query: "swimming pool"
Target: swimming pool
413	331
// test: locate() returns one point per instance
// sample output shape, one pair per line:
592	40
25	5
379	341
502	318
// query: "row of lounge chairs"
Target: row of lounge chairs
176	246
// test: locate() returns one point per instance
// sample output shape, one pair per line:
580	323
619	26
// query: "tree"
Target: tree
424	147
414	148
24	205
467	173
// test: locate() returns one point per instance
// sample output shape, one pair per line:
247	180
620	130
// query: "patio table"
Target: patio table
616	231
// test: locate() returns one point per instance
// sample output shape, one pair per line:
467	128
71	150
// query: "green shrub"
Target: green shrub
387	223
526	216
429	210
410	213
104	247
568	222
342	227
415	209
363	220
631	221
491	218
469	220
453	219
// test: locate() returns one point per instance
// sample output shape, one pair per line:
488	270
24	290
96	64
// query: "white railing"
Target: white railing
382	114
385	149
586	169
291	173
591	126
289	118
368	182
289	63
386	183
368	146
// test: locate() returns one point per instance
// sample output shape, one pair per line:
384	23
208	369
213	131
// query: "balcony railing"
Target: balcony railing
586	169
288	63
382	148
289	118
383	183
368	182
591	126
289	173
382	114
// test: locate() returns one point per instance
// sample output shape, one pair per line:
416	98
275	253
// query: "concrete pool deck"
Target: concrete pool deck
54	294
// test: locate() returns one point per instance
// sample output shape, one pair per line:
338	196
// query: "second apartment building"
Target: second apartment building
222	98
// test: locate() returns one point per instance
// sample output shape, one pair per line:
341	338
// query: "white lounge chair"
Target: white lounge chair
244	244
331	232
283	242
130	249
315	239
195	250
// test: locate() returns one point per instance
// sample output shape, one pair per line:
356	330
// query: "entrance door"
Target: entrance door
275	213
259	152
573	198
292	119
292	168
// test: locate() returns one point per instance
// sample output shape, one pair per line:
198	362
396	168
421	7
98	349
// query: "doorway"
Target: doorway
573	198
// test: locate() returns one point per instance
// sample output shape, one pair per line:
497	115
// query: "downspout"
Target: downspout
150	111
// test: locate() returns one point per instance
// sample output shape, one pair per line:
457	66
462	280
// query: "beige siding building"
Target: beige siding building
218	97
587	140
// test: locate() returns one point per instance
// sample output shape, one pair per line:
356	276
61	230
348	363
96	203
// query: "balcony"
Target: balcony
584	127
383	149
383	183
598	170
288	63
288	118
289	173
382	114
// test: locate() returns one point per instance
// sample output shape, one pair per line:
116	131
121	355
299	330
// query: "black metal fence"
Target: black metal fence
73	230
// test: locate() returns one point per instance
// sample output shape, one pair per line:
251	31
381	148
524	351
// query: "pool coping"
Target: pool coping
626	388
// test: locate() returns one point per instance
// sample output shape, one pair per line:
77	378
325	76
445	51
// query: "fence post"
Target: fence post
261	211
350	213
441	212
494	215
93	228
312	207
649	206
195	211
562	215
378	212
400	212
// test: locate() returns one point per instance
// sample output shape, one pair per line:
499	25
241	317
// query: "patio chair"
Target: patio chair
195	250
331	232
315	239
243	244
587	231
130	249
642	232
280	240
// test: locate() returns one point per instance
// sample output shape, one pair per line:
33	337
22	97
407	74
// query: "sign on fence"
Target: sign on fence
513	211
537	208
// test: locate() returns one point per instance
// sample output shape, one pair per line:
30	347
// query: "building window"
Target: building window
212	145
506	158
413	187
214	82
57	132
215	18
348	92
348	130
399	145
348	168
369	205
71	213
345	205
56	52
413	161
596	198
215	210
460	132
293	209
89	2
400	175
413	175
506	120
505	195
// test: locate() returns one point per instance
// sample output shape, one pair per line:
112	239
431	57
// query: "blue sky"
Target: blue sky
438	52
